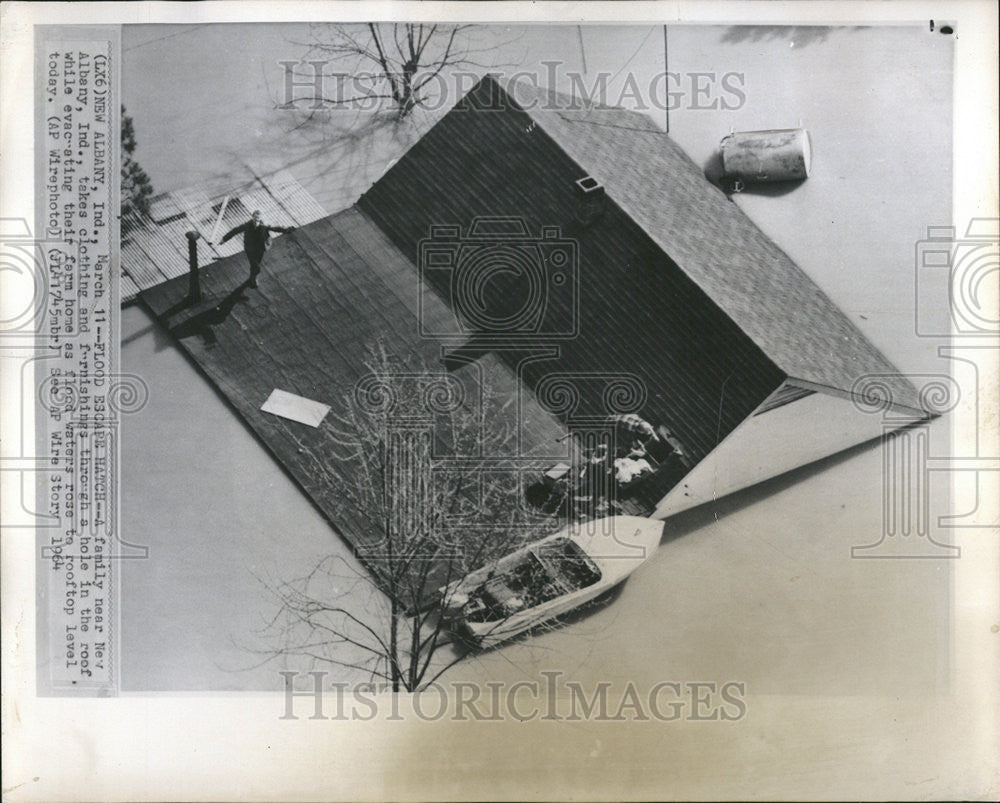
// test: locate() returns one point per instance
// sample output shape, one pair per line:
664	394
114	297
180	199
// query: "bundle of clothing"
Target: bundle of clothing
630	468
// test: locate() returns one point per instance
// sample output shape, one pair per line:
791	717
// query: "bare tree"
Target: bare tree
427	471
397	63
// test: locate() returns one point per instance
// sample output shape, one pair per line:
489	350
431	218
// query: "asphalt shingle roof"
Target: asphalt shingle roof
327	292
739	267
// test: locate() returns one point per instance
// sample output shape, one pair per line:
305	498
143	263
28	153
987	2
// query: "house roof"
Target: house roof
329	291
713	241
154	249
624	310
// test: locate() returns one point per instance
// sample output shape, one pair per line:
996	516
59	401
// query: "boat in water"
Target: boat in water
548	578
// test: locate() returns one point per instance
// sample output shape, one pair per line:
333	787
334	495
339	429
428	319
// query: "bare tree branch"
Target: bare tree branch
401	58
418	539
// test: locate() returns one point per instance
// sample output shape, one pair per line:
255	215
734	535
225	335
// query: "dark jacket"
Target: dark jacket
256	239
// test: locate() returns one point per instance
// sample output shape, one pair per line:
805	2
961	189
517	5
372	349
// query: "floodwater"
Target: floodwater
761	588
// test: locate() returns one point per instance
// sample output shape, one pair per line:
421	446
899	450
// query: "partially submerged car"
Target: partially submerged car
548	577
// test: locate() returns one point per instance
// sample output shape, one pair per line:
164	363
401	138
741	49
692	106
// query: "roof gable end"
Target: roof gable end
709	237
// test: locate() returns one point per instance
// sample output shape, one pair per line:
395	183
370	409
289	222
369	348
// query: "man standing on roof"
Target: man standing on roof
256	241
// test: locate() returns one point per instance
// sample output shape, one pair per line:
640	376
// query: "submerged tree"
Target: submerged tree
136	187
422	522
398	63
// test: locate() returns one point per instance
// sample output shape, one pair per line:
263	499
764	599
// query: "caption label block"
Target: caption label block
78	387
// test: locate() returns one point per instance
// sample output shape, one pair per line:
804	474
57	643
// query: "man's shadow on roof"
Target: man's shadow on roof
202	323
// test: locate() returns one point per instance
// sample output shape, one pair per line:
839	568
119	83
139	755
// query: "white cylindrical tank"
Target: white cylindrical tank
778	155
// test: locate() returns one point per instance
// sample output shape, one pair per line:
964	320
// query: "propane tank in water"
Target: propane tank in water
777	155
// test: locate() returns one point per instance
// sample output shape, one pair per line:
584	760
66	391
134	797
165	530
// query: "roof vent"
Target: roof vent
590	200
